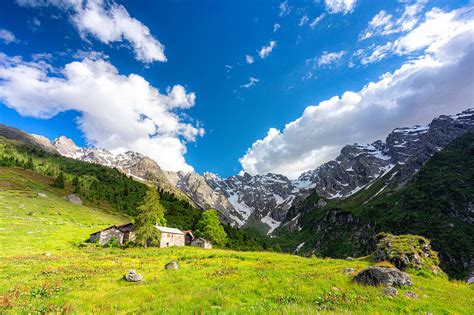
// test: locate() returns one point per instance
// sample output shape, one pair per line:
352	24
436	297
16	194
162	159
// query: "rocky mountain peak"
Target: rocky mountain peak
65	146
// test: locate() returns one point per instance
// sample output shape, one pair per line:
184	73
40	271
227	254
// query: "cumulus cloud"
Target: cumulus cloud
249	59
328	58
108	22
385	24
438	82
340	6
7	37
266	50
117	112
252	82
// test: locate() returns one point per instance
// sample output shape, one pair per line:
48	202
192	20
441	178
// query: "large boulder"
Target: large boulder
132	276
406	251
383	276
74	199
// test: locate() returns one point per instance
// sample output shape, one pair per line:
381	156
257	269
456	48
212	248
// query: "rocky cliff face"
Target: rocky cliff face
197	188
263	198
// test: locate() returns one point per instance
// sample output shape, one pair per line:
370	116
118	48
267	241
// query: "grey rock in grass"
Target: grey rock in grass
42	195
132	276
48	254
74	199
390	291
470	280
411	295
349	270
383	276
172	265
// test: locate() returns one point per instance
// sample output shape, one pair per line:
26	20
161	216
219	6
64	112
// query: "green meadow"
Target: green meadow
45	268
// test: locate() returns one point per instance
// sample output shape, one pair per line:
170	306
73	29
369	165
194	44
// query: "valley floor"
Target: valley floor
43	269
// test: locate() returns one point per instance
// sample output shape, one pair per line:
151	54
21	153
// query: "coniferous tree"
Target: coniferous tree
76	184
29	164
59	181
150	212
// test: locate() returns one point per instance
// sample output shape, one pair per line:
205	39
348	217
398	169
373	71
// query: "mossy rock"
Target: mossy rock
406	252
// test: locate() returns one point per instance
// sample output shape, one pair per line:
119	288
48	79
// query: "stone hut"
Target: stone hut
188	237
171	237
123	233
200	242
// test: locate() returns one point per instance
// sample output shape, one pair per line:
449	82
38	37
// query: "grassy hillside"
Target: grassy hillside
89	280
108	188
97	185
436	204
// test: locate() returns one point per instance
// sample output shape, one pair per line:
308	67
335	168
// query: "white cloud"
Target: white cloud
384	24
284	8
316	20
266	50
379	52
304	19
276	27
108	22
340	6
437	27
328	58
7	37
117	112
249	59
252	82
438	82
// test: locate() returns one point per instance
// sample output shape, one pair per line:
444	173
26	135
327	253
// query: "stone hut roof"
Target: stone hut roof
190	232
122	228
165	229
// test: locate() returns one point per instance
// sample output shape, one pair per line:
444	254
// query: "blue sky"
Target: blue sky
205	46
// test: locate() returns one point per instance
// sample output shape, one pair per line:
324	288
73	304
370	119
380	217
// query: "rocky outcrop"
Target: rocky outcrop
406	251
383	276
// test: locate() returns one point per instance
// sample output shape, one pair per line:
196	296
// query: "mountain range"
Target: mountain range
263	201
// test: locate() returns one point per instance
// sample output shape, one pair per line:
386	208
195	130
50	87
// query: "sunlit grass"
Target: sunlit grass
89	279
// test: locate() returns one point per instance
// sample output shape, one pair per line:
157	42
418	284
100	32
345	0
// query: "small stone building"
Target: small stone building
188	237
200	242
123	233
171	237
